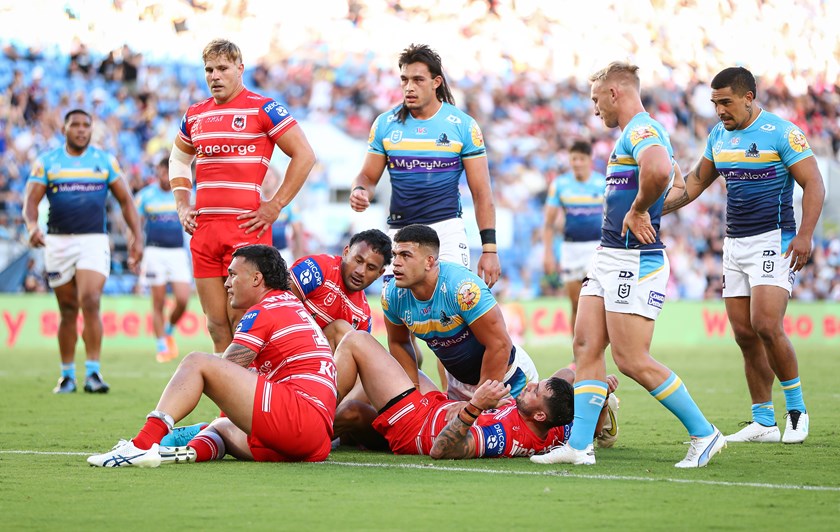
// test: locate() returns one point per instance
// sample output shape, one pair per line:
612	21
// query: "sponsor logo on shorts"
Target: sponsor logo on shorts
53	276
768	253
655	299
791	276
767	266
624	274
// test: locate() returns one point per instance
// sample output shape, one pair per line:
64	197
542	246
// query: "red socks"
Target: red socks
152	432
208	445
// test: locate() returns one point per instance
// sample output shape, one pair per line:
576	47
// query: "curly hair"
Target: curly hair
378	242
269	263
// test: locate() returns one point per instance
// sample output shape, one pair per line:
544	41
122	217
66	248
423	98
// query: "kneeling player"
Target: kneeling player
431	424
280	409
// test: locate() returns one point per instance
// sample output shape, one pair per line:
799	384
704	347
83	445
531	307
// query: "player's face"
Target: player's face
224	77
418	87
410	264
361	266
242	284
732	109
77	131
531	400
603	97
163	177
581	165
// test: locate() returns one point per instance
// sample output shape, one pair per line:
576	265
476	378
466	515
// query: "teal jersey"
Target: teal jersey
77	187
443	322
288	215
640	133
161	224
582	203
754	162
425	162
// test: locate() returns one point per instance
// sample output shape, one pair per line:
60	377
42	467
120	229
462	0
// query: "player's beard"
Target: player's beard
77	147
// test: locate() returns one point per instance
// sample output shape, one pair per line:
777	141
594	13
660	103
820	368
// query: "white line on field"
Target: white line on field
561	473
555	473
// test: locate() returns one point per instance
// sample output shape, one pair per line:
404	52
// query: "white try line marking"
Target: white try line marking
553	473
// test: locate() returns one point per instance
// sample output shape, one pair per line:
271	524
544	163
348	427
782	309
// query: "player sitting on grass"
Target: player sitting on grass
275	382
424	421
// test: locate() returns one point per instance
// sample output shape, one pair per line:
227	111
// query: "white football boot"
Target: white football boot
125	454
796	428
701	450
754	432
566	455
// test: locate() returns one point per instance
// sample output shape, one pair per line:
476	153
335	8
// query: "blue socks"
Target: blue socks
161	345
764	414
169	329
91	367
675	397
793	395
589	400
68	370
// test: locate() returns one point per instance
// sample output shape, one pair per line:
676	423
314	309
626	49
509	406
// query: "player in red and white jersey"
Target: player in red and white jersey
332	287
276	382
424	421
231	136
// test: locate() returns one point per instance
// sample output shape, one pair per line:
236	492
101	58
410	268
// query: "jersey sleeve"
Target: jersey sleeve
114	170
389	304
254	329
184	132
793	146
38	174
375	144
490	440
277	119
473	298
641	137
708	153
552	199
307	275
473	142
140	202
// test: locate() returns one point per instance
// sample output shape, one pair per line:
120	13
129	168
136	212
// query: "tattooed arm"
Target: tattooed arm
239	354
695	182
456	441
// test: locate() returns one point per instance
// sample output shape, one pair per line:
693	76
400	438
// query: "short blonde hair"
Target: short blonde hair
224	48
625	72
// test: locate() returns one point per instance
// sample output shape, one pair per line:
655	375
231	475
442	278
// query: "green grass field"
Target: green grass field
45	482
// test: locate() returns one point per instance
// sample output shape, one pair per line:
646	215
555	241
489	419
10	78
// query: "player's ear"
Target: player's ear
346	250
258	277
540	416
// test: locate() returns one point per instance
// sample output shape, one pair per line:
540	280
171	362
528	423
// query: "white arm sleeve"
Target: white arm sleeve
180	163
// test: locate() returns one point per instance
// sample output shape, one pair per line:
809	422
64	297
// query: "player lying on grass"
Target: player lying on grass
275	382
426	422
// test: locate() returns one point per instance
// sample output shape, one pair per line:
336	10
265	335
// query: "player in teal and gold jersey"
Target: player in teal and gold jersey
760	155
76	179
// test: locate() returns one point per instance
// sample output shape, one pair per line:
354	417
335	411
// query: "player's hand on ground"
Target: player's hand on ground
612	383
489	394
359	199
489	268
260	219
799	251
639	224
188	215
36	238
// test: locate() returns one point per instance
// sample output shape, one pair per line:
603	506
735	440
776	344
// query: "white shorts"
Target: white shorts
64	254
756	260
453	242
165	265
631	281
520	373
575	258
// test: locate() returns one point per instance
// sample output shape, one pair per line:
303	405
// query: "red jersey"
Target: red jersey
318	277
412	424
233	143
290	348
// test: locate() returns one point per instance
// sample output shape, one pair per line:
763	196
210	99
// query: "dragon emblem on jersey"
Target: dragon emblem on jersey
475	134
797	140
638	134
238	122
469	294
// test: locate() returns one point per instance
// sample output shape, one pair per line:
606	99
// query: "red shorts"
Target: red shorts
289	425
214	241
409	425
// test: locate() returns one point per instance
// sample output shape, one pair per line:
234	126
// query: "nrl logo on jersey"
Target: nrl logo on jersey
238	122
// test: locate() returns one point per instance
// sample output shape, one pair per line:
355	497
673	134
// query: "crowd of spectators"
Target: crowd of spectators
520	68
